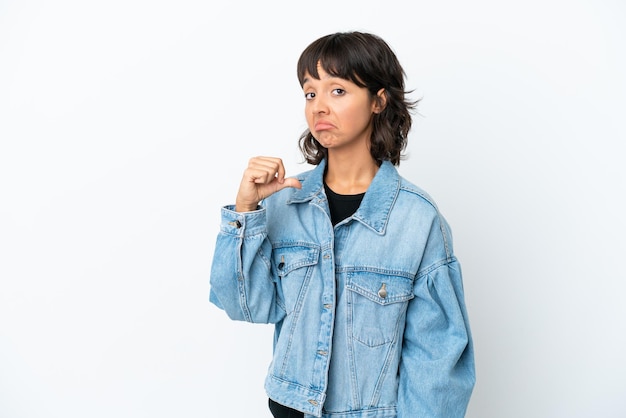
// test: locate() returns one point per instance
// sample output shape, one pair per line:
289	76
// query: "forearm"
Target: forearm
437	368
242	281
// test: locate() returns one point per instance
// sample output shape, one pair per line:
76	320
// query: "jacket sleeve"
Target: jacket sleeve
242	281
437	367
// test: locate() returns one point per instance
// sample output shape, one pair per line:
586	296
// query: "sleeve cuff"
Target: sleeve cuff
243	223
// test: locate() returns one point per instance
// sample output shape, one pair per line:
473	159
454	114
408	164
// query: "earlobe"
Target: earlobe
380	101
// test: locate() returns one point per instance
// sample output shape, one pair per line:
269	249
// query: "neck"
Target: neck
349	175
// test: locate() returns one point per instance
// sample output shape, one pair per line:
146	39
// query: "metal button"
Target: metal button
313	402
282	262
236	224
382	292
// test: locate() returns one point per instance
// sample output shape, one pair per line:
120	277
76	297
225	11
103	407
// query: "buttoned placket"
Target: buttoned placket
324	347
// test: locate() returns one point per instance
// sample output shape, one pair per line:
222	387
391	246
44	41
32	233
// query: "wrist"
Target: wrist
241	207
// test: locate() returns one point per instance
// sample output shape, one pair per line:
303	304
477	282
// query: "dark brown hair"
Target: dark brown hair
366	60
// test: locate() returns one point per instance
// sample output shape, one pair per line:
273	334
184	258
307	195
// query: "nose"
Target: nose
319	105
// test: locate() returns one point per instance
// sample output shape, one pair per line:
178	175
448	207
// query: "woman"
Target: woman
351	262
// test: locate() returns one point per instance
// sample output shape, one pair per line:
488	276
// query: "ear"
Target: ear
380	101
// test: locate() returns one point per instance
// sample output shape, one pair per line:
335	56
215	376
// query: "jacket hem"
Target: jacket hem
295	396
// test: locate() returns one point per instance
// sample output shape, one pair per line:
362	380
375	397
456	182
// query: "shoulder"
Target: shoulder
420	203
410	191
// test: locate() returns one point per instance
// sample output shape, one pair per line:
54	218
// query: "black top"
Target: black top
342	206
281	411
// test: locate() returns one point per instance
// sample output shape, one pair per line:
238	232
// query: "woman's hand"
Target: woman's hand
263	177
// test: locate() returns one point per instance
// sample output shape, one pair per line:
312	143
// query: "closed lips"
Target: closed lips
322	125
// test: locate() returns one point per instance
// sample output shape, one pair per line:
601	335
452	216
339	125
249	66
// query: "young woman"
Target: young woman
351	262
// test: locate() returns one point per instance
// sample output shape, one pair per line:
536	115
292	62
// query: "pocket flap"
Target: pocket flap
291	257
380	288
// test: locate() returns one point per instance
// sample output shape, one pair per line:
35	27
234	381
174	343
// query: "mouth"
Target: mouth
323	126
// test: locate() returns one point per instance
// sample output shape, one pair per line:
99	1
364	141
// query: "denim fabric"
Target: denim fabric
370	318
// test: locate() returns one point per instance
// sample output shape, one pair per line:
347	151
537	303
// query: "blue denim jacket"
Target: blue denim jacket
370	319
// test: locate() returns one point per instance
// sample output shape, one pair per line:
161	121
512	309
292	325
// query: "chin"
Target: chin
325	142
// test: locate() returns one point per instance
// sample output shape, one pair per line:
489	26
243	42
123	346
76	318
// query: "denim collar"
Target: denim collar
376	204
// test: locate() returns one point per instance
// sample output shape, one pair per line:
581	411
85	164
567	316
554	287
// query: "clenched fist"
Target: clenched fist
263	177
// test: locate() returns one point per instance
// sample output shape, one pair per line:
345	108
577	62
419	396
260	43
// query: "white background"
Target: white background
125	125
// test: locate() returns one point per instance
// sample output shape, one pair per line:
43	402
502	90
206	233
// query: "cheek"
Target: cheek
307	115
358	116
309	120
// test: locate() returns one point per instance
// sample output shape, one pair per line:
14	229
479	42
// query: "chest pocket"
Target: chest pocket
377	305
294	265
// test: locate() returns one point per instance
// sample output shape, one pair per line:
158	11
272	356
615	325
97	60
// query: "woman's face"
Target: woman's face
338	112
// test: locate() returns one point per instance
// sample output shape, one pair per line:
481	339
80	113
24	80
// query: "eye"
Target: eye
339	92
309	96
